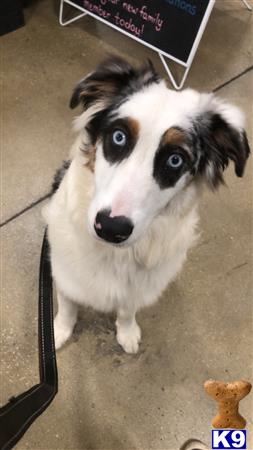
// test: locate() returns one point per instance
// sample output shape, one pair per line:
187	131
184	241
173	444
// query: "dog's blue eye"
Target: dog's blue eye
119	138
175	161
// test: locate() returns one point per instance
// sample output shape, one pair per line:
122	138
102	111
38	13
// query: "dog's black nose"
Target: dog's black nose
112	229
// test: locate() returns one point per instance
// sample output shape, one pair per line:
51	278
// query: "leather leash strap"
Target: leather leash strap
21	411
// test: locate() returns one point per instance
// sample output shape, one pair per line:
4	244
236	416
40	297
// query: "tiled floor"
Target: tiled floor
201	328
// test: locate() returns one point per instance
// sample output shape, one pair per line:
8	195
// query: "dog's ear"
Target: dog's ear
110	79
220	138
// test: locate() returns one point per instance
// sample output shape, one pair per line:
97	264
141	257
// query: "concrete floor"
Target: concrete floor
200	329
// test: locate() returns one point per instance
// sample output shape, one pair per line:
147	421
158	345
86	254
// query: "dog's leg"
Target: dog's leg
128	331
65	320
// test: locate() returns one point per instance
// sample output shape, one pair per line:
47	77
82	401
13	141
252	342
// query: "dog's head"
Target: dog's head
148	145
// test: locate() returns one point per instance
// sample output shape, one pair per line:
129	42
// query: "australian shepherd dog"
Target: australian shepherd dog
124	210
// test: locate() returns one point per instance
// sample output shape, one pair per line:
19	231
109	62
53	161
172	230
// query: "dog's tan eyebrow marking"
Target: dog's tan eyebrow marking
177	138
174	136
134	127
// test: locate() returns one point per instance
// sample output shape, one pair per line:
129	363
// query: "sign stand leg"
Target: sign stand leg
248	6
171	77
67	22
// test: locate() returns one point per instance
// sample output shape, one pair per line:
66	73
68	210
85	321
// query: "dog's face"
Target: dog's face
147	144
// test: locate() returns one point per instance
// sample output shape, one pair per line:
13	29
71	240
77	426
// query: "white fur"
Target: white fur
89	271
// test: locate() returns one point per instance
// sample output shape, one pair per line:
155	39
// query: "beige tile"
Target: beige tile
20	251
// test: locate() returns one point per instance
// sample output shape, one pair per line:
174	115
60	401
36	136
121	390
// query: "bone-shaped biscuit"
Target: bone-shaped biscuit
228	396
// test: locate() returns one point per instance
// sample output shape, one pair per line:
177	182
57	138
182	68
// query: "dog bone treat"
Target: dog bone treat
228	396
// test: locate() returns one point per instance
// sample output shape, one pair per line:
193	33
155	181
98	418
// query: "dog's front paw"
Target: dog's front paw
129	337
61	333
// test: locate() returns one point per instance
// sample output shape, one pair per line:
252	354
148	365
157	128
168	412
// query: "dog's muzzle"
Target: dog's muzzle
112	229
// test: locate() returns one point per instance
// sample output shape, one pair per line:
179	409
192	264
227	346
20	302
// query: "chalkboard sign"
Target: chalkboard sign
171	27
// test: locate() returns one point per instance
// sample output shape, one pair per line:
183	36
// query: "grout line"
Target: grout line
233	79
36	202
27	208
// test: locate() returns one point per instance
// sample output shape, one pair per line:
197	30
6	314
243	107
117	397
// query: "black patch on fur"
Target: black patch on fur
112	152
99	122
214	144
59	176
167	176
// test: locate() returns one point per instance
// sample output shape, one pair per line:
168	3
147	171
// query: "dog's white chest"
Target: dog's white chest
104	277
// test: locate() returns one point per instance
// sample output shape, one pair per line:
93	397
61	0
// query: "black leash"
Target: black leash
21	411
